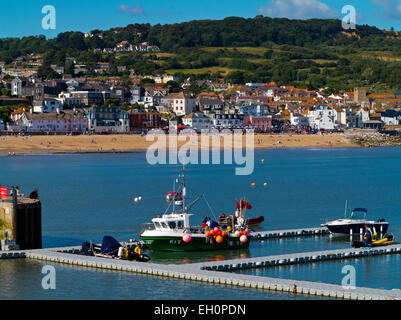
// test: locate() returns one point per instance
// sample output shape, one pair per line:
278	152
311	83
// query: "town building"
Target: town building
211	105
182	103
107	120
139	120
83	98
322	117
259	123
61	120
229	121
197	121
47	105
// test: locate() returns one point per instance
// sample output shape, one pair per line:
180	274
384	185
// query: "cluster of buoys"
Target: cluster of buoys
136	199
217	234
242	234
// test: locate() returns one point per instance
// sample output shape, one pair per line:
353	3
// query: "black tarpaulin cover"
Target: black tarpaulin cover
110	245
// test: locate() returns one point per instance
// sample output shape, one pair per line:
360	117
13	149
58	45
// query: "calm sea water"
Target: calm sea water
85	197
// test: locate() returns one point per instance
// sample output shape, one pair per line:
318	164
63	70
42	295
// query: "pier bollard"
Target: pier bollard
305	290
326	293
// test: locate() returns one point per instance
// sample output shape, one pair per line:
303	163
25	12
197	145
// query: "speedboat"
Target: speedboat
355	223
174	232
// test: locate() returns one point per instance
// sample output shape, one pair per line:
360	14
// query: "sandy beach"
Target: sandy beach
130	143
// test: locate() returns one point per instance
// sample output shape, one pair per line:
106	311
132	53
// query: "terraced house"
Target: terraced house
60	121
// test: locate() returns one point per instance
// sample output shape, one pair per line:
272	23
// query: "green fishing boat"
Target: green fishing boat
174	232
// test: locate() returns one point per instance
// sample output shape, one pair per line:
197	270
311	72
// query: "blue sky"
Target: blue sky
24	17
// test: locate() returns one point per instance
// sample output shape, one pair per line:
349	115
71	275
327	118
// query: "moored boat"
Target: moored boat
112	249
355	223
174	232
255	221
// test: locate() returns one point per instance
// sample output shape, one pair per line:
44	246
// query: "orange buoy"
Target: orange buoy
219	239
253	184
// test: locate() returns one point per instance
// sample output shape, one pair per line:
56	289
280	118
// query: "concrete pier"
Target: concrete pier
221	272
218	272
20	220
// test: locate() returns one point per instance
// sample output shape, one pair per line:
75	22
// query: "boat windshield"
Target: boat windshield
358	213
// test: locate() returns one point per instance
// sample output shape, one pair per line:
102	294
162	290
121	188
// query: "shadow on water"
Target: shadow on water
198	256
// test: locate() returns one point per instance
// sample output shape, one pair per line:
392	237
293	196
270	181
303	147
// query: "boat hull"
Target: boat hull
356	228
255	221
196	244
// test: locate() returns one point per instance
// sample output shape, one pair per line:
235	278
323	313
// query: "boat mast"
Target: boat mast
173	196
183	189
345	211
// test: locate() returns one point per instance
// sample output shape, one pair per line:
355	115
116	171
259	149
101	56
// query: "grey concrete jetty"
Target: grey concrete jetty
218	272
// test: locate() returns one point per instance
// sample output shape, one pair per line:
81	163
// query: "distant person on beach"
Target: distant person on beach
34	194
17	190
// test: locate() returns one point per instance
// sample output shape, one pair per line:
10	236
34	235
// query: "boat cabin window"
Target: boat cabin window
180	224
172	224
157	225
164	225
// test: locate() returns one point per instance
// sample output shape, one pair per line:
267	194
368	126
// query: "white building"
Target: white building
65	121
363	115
222	121
322	117
391	117
197	121
47	105
346	117
298	119
182	103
